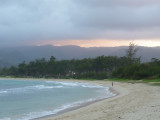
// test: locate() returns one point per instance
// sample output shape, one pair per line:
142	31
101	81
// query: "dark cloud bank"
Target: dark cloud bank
26	21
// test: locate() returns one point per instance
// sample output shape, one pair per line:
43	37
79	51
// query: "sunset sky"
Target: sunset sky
86	23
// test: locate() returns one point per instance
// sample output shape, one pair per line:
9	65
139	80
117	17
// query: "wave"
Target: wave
56	84
68	84
74	84
44	87
109	93
85	85
27	88
92	86
3	92
34	115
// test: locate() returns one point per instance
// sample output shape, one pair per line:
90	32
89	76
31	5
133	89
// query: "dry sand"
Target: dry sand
135	102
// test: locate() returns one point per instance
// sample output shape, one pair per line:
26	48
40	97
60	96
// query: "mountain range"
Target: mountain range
15	55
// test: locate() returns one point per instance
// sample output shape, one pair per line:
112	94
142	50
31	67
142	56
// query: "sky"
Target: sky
86	23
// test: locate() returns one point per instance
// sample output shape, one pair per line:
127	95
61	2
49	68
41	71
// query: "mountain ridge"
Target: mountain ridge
15	55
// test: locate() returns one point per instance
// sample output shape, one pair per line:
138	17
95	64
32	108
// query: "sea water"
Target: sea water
30	99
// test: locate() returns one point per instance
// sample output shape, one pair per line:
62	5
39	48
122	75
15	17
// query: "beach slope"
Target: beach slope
135	102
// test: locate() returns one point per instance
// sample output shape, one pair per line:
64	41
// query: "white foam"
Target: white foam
43	87
3	92
73	84
28	88
92	86
109	93
85	85
34	115
70	84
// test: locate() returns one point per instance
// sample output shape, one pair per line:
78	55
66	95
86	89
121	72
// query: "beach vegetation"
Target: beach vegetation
124	68
89	68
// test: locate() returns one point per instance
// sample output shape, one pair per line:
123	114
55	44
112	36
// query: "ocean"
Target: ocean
30	99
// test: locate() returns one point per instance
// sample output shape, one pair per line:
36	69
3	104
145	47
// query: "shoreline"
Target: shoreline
72	108
138	101
81	105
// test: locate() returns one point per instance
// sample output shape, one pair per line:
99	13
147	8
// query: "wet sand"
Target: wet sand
137	101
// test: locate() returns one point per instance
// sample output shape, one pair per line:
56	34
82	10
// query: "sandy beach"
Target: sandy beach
137	101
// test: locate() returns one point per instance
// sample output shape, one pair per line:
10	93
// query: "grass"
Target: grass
119	79
149	81
156	84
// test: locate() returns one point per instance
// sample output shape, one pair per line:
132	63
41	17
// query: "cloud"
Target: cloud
113	3
121	14
27	21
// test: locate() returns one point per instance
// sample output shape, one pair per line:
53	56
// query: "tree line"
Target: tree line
94	68
102	67
135	69
138	71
